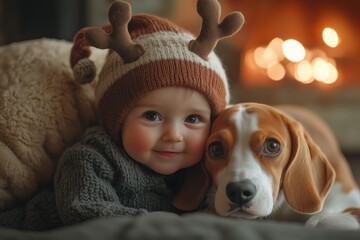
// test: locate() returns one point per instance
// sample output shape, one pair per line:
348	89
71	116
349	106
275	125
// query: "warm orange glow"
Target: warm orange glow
321	70
276	46
249	60
293	50
324	71
304	72
264	57
290	58
330	37
333	74
258	56
276	71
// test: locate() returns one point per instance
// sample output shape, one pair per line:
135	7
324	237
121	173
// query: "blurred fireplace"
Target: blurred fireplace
308	41
303	52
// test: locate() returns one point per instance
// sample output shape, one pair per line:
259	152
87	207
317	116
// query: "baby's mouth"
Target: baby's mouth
167	154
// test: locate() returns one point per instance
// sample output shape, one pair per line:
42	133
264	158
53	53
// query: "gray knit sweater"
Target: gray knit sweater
95	178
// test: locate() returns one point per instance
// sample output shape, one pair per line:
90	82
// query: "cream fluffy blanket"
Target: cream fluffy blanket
42	111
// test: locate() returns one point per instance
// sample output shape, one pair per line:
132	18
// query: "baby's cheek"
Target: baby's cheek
197	145
136	144
142	141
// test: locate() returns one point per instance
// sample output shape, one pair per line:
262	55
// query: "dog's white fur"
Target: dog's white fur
298	184
42	111
244	166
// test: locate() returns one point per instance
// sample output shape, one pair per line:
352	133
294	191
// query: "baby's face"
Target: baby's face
167	129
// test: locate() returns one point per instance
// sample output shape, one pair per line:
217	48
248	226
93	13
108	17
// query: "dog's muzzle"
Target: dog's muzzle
241	193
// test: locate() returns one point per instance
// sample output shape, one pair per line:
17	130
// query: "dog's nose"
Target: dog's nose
241	192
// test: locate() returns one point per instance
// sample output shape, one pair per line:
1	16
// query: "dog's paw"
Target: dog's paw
333	220
6	198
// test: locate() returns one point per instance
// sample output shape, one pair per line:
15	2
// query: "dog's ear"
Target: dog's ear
309	175
192	192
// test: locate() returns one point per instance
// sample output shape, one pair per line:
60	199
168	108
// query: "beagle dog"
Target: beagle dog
280	163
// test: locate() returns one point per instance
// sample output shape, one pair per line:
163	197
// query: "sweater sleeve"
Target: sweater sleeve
83	186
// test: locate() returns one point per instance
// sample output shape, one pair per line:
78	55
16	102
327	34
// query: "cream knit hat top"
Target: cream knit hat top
147	53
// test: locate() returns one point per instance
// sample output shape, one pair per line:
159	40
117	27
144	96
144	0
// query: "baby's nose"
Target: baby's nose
172	133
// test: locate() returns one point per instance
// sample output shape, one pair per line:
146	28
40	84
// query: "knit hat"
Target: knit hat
148	53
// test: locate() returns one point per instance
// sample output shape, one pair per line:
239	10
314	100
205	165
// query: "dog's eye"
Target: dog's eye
216	150
271	148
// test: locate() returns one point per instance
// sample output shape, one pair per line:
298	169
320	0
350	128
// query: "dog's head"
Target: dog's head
254	154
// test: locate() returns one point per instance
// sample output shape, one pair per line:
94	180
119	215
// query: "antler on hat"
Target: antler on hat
111	36
148	53
119	38
211	30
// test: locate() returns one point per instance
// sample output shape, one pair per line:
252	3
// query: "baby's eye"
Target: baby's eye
152	116
192	119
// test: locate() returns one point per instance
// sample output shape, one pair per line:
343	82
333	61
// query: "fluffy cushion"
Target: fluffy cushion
42	111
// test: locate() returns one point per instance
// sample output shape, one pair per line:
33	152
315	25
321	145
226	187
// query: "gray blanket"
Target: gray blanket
161	225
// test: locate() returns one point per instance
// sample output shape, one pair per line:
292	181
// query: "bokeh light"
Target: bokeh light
293	50
330	37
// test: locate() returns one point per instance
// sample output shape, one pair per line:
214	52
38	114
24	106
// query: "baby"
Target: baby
156	96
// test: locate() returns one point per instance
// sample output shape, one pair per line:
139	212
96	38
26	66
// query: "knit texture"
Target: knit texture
165	62
37	214
96	178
